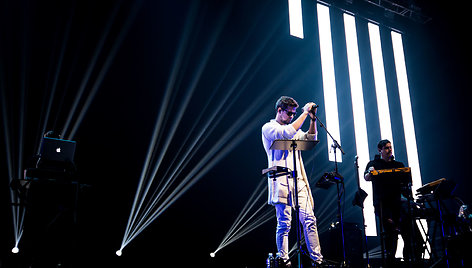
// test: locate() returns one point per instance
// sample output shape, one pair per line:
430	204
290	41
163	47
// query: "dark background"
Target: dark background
238	58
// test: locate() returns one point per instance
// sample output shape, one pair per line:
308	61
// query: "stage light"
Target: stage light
358	111
212	254
151	200
18	212
15	250
407	114
256	219
118	253
380	83
295	18
408	123
329	82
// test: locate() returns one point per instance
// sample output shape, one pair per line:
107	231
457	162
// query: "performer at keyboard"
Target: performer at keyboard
281	189
387	197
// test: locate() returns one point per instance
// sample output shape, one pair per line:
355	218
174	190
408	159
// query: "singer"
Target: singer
281	190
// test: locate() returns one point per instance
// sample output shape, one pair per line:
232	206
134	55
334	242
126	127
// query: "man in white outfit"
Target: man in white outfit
281	189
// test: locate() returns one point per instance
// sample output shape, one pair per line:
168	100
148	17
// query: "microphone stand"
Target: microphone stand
335	146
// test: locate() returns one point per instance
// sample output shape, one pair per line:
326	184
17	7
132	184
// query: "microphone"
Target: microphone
312	110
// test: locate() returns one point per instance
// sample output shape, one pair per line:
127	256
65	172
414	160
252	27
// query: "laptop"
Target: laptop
57	150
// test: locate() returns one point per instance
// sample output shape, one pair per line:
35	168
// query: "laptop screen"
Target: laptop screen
57	150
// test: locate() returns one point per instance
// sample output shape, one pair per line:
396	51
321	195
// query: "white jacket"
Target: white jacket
281	189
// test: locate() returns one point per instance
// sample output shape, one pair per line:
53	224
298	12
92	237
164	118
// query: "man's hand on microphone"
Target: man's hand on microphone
307	107
311	109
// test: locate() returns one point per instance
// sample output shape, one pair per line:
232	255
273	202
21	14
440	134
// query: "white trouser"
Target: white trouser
307	220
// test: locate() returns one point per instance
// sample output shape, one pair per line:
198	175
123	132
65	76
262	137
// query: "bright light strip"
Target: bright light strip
380	84
295	18
329	83
407	116
360	125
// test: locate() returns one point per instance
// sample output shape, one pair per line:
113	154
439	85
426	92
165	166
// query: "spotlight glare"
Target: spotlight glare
118	252
15	250
212	254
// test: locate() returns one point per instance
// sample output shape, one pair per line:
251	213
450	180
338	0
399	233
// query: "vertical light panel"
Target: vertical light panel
295	18
407	116
380	84
358	111
329	83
